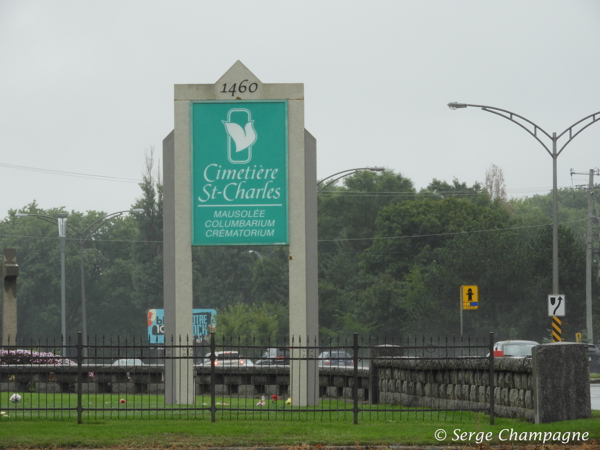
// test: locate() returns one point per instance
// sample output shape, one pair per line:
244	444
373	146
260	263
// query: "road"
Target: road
595	393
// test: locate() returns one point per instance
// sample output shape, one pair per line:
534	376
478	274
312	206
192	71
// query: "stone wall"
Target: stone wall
461	383
243	381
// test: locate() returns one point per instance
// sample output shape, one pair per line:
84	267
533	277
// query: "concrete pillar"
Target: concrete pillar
10	272
561	384
303	262
177	264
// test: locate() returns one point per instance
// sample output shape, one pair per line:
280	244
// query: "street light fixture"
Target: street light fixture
257	254
527	125
82	236
345	173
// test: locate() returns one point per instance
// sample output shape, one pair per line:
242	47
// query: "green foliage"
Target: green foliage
406	232
247	323
391	262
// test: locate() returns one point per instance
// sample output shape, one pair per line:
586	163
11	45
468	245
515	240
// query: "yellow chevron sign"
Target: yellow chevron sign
469	297
556	329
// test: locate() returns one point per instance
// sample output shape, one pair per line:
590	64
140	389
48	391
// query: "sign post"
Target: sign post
240	169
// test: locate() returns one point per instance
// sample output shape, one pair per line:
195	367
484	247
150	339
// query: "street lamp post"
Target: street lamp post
533	130
257	254
345	173
82	236
61	221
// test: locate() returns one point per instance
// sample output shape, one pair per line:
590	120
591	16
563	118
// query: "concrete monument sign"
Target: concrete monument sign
227	156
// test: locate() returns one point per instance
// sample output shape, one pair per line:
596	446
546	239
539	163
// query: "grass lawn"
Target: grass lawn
171	427
155	433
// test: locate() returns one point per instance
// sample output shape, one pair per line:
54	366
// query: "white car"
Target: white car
128	362
228	358
514	349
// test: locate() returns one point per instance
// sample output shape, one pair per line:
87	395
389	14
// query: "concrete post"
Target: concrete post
303	270
177	264
10	272
561	385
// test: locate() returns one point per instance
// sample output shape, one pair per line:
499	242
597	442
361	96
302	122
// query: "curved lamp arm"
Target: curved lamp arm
345	173
93	227
595	118
508	115
257	254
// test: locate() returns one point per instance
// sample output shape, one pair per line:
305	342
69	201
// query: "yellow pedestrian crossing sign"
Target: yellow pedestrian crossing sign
469	297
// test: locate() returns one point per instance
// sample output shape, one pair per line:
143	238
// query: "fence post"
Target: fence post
373	374
213	405
355	384
79	376
492	396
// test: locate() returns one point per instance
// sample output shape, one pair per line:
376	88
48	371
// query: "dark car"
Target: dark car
335	358
593	358
274	357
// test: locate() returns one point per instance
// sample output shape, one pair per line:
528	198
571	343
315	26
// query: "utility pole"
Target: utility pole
589	250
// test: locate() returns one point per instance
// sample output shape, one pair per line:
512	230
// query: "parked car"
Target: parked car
274	357
128	362
335	358
514	349
228	358
593	358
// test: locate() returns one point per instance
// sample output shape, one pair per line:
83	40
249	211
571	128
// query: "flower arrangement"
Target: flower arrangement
33	357
15	398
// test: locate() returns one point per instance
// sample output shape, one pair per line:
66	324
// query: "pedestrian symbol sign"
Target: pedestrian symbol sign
556	305
469	297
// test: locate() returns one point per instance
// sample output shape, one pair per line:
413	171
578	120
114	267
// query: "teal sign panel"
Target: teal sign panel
204	322
239	157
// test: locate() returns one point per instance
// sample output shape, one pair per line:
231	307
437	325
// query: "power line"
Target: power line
334	240
446	234
71	174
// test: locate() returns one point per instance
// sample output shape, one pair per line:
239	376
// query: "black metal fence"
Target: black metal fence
361	379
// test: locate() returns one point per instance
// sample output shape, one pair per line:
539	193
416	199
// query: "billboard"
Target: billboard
204	322
239	161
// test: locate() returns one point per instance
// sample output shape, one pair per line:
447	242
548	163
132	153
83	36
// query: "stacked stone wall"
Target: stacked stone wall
458	384
240	381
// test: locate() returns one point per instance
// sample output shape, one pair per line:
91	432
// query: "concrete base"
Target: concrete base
560	382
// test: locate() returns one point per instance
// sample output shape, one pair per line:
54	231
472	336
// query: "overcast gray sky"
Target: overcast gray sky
86	87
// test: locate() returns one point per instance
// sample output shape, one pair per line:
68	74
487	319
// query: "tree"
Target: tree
494	183
241	323
147	252
438	189
408	232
